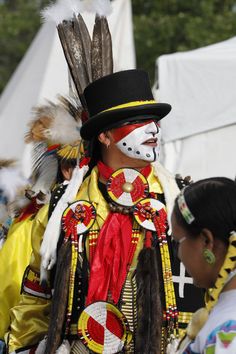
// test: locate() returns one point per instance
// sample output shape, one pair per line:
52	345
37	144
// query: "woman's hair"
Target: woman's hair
212	203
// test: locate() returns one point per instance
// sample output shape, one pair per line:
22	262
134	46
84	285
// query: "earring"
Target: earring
209	256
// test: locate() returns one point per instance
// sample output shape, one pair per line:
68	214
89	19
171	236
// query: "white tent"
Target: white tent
199	134
43	73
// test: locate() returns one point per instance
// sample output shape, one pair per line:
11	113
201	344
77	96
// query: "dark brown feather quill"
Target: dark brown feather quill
102	61
74	49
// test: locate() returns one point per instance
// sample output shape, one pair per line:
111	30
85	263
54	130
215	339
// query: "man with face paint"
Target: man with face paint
138	141
113	288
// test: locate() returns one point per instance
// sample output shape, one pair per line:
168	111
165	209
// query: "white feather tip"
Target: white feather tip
61	10
100	7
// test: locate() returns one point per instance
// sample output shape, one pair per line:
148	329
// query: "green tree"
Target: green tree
167	26
19	21
160	27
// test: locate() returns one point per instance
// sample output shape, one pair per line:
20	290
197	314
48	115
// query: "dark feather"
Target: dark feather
59	301
148	335
102	62
72	106
73	49
86	43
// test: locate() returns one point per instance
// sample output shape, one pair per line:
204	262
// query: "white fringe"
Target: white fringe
52	233
170	188
64	348
41	346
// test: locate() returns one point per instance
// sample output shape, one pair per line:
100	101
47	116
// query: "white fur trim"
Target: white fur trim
64	348
52	233
170	188
41	346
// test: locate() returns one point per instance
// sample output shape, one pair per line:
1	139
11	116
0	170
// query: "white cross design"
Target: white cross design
182	280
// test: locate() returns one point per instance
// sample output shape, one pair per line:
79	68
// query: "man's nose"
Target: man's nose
151	128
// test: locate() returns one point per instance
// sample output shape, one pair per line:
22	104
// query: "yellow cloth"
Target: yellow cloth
14	258
30	318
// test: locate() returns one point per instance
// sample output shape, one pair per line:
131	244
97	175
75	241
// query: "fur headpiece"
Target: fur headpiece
54	131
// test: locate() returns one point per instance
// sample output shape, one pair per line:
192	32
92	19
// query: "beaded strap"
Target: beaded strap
229	264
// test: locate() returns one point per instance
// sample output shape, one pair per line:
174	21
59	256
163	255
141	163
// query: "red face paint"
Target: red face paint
120	133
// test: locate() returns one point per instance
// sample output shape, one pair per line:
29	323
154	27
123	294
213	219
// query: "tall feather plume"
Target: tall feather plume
71	104
53	125
102	60
73	47
82	29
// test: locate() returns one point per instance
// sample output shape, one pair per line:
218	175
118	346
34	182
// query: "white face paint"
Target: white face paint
139	141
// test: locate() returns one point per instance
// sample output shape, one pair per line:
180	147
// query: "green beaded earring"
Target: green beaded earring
209	256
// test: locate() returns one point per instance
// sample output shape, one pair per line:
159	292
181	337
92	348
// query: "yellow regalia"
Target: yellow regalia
14	258
30	317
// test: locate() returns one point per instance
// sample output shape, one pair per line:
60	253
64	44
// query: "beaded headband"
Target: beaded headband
184	209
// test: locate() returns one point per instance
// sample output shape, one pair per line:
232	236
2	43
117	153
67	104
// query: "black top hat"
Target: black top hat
121	97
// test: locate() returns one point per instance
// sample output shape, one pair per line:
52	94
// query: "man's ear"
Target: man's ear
104	138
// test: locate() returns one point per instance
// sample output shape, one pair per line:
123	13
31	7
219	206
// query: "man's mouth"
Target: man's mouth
151	142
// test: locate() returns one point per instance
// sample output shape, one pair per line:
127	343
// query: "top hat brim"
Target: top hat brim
113	118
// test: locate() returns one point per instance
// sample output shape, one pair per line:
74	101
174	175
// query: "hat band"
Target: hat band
130	104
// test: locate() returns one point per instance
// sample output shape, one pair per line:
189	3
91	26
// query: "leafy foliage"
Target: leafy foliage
160	27
19	21
167	26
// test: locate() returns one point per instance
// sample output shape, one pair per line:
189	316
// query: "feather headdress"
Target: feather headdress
88	59
54	126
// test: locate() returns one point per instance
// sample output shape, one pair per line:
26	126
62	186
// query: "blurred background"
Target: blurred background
187	47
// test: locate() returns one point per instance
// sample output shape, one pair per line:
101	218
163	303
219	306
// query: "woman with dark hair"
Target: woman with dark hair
204	232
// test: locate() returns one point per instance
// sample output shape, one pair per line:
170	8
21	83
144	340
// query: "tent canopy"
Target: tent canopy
43	74
199	133
200	85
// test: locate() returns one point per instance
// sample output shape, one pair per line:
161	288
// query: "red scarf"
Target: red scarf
111	261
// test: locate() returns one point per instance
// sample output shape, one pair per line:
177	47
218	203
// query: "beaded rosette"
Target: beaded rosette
151	215
129	189
127	186
146	211
103	328
77	219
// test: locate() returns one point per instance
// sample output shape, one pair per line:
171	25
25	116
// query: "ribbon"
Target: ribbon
111	260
